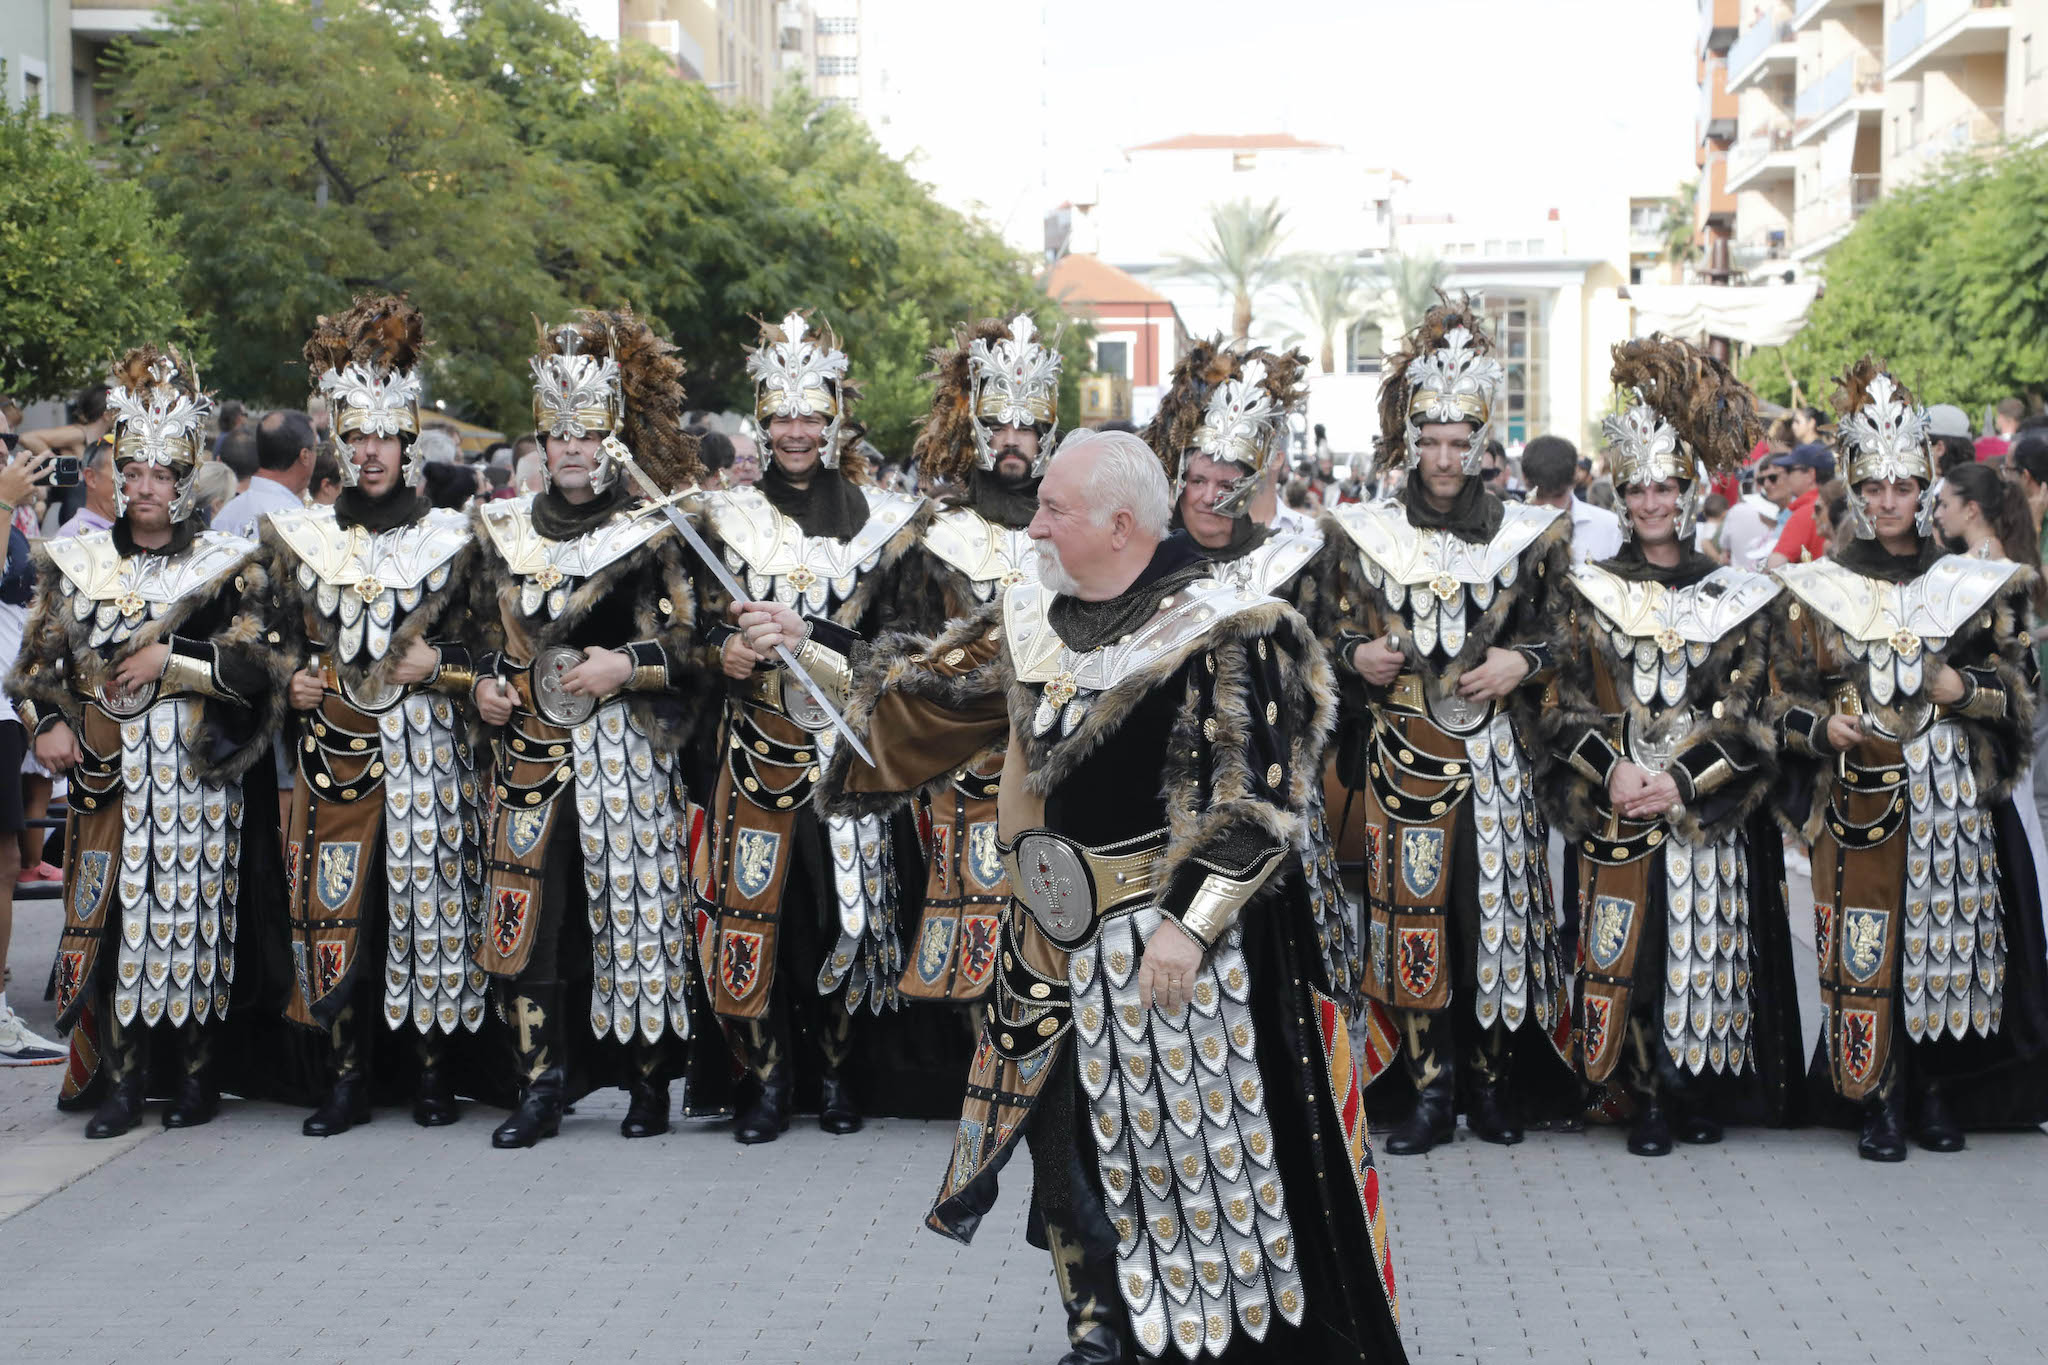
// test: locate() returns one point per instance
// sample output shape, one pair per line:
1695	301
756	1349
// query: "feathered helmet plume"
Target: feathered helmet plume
1687	416
1444	372
1881	434
365	364
159	419
1231	406
609	374
799	371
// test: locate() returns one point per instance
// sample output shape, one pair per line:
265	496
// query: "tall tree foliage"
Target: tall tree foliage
86	266
1240	255
1946	281
511	165
1330	291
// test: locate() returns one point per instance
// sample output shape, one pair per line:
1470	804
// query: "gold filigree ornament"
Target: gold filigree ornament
549	576
1061	690
1444	586
801	578
1905	641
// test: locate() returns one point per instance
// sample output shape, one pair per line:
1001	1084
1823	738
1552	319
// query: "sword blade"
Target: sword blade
783	654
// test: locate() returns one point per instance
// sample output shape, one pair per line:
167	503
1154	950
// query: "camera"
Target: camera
64	472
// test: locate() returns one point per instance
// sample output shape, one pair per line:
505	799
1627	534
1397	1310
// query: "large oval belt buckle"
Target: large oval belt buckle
1055	885
365	695
1455	714
126	705
555	704
800	706
1652	746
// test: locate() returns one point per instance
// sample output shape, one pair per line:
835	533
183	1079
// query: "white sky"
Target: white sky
1488	106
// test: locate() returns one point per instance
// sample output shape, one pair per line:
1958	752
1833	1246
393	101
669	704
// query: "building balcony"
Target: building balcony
1934	32
1758	249
1854	85
1811	12
1764	49
1762	159
1958	134
1717	26
1831	212
674	42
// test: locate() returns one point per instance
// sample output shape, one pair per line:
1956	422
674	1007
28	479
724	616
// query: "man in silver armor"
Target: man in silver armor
142	678
1664	764
994	416
1904	681
1450	636
804	929
1221	432
1202	1186
592	686
369	626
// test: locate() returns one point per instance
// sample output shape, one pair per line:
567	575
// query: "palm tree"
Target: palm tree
1240	256
1407	285
1329	291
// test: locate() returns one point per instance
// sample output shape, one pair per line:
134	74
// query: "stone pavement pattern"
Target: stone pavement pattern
243	1241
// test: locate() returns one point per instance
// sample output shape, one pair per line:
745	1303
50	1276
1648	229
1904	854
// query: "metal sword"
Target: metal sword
783	653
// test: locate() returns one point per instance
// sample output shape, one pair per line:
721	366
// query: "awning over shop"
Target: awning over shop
1766	315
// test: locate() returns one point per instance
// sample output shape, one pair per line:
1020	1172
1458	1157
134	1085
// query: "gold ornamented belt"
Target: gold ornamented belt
1068	887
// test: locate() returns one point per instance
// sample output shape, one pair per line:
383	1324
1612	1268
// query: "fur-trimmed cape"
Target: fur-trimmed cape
1813	665
1725	692
58	661
645	594
1234	775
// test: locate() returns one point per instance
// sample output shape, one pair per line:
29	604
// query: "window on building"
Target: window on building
1244	161
1364	347
838	66
1493	247
1516	322
1113	357
838	25
1535	246
2027	57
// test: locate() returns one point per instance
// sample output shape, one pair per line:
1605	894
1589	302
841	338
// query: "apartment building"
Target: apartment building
54	50
1811	110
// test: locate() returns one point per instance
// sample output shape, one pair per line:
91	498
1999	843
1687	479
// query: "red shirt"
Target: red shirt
1802	539
1991	447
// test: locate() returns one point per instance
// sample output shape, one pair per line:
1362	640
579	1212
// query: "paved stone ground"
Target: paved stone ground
243	1241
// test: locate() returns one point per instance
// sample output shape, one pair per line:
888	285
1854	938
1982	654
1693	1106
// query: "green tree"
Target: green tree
86	267
1330	291
1241	256
1681	230
309	165
1946	281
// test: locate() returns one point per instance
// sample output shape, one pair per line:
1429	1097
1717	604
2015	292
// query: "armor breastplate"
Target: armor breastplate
813	574
1892	627
1068	680
364	583
1435	582
1273	565
990	556
121	595
1663	633
550	570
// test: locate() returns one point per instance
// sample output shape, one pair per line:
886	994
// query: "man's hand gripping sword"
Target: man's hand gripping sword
783	654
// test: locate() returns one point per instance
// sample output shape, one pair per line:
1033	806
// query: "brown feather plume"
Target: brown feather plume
1852	387
1713	412
945	446
1444	316
650	382
382	332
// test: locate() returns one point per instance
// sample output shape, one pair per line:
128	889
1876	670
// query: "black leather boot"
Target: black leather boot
766	1118
348	1098
647	1115
433	1098
122	1052
1884	1126
1937	1130
347	1104
1433	1120
1492	1117
1097	1332
837	1113
197	1100
1698	1130
539	1115
1651	1135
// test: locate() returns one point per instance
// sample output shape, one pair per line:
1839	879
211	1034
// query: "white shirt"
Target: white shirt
243	514
1596	533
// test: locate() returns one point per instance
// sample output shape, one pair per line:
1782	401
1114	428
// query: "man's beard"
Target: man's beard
1008	477
1052	573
